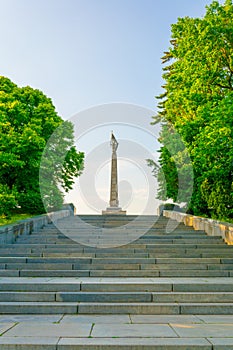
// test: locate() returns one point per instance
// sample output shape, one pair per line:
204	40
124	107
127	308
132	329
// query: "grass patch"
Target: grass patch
14	218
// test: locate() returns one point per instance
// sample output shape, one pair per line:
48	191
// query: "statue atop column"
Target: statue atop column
113	143
114	202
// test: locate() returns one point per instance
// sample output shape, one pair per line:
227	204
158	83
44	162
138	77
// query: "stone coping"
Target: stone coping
210	226
9	233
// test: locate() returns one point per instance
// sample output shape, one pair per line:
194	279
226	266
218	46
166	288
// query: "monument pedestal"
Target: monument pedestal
113	211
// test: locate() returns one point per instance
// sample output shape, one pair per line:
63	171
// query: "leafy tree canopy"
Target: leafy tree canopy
27	120
197	101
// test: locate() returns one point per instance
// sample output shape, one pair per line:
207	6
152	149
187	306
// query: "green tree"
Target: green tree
197	101
27	120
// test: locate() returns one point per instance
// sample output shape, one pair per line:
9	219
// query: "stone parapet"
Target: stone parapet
210	226
9	233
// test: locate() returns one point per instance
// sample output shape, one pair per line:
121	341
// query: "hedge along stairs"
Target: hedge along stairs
146	284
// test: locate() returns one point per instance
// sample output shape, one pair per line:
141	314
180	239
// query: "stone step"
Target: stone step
139	255
152	237
103	247
27	296
192	297
156	254
118	284
115	266
63	273
118	297
156	308
115	241
181	285
64	232
128	245
115	273
94	255
38	308
116	308
164	273
111	343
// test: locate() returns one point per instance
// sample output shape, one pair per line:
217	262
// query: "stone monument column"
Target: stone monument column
114	202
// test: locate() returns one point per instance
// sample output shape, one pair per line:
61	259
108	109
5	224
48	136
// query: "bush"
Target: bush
7	201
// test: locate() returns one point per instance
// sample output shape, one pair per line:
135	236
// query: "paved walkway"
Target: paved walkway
56	331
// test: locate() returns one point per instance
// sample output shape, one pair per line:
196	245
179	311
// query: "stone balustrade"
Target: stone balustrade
210	226
9	233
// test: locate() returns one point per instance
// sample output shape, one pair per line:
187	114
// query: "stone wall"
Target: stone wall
9	233
211	227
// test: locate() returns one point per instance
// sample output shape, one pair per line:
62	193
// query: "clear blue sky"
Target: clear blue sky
87	52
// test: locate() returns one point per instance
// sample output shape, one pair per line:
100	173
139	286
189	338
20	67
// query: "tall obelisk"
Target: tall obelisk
114	202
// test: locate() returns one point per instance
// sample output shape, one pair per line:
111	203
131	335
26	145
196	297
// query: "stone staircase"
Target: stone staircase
106	272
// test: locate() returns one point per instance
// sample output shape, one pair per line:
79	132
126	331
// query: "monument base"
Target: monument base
113	211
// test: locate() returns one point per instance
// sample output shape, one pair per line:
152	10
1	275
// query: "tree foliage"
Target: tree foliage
197	101
27	121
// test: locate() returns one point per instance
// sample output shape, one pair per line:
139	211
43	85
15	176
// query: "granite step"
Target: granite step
109	343
115	266
115	273
118	297
161	273
156	308
117	284
133	308
174	248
